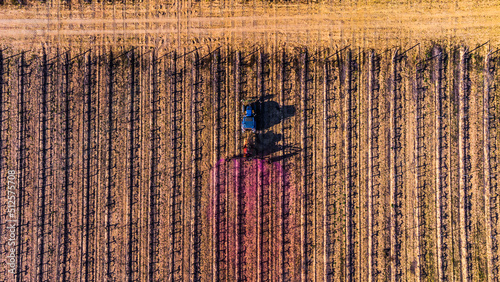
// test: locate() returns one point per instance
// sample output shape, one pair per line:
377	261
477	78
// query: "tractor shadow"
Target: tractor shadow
268	143
269	114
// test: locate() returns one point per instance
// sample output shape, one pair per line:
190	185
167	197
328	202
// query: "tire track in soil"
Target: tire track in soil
304	252
90	172
260	195
51	121
308	205
69	258
422	74
134	169
187	193
264	186
110	173
490	112
77	106
109	181
273	83
102	146
25	125
116	199
27	129
443	194
249	202
371	81
464	165
396	166
154	184
478	252
428	86
486	156
287	198
375	181
176	197
264	192
206	164
242	85
317	122
220	188
163	87
195	271
409	237
494	132
351	147
239	92
145	113
44	183
327	86
164	165
437	73
336	209
102	131
230	150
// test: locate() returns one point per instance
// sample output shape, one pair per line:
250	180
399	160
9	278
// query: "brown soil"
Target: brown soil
366	24
149	163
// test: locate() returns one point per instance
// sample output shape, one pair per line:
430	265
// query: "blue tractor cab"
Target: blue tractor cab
248	122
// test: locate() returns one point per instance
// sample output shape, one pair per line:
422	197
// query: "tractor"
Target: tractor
249	127
248	122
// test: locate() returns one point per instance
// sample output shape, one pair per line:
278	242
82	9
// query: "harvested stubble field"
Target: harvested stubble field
371	165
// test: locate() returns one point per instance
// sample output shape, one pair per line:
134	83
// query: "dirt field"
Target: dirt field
189	24
371	165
